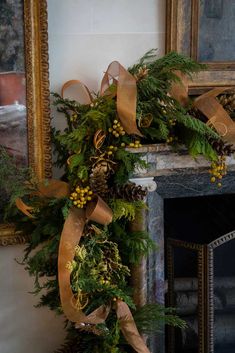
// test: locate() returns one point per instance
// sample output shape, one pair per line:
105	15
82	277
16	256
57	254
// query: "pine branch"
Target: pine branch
150	318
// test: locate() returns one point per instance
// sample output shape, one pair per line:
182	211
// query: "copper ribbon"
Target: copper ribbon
126	93
216	114
98	211
209	106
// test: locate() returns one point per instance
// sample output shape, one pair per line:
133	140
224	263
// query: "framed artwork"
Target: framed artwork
204	30
24	92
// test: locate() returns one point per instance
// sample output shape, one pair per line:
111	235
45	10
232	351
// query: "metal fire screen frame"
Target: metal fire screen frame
205	276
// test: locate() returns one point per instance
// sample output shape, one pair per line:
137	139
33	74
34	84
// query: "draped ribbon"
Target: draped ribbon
216	114
125	90
97	210
209	106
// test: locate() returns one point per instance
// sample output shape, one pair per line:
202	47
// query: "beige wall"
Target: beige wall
86	35
24	328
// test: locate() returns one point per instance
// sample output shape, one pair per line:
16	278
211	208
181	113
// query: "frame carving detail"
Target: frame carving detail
37	101
182	35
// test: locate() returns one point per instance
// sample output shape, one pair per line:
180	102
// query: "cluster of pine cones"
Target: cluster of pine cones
99	182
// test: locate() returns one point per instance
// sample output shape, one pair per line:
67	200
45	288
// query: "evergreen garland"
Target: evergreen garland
94	140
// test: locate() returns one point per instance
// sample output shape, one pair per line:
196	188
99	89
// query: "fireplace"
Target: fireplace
195	285
200	273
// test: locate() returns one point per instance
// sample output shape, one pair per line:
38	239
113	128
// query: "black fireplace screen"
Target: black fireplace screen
201	285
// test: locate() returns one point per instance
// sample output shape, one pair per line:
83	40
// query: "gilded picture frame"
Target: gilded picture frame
37	100
197	28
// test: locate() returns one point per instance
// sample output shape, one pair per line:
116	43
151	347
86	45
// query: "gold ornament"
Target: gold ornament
99	138
142	73
146	121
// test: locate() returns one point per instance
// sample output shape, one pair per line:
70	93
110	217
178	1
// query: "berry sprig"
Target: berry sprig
117	129
172	122
172	139
81	196
73	117
111	149
218	170
135	144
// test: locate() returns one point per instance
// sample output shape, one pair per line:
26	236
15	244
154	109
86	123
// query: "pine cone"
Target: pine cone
221	147
129	192
227	100
99	178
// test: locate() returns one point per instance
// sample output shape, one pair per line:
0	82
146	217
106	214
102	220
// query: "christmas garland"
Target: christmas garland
138	106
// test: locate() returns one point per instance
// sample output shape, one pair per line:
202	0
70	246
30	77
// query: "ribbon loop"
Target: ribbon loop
80	93
216	114
126	95
209	106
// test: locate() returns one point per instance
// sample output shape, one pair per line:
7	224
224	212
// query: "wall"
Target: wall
86	35
24	328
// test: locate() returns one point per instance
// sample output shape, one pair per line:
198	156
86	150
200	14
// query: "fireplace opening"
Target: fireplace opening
200	272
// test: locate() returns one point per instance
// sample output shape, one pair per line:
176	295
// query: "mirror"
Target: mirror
203	30
24	91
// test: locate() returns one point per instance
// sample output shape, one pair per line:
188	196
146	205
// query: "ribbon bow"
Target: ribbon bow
125	90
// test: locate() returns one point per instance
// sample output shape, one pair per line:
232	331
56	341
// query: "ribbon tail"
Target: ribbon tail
70	237
23	207
126	95
129	329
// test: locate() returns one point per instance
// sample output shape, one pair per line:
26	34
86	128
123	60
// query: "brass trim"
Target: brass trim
9	236
194	29
171	245
37	98
210	283
205	270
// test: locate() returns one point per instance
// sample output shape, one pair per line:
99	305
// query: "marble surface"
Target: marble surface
177	175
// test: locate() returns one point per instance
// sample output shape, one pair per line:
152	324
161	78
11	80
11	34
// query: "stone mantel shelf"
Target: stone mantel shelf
162	159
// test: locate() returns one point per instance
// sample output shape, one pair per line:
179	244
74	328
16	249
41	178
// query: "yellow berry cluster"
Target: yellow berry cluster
104	281
218	170
111	149
80	196
117	129
117	298
172	122
171	139
73	117
135	144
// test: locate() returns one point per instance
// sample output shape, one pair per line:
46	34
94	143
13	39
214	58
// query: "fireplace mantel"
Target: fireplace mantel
169	174
178	174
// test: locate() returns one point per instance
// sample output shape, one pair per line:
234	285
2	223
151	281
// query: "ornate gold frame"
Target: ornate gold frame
183	26
37	98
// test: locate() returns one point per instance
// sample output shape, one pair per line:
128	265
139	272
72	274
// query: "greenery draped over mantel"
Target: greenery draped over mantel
92	152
